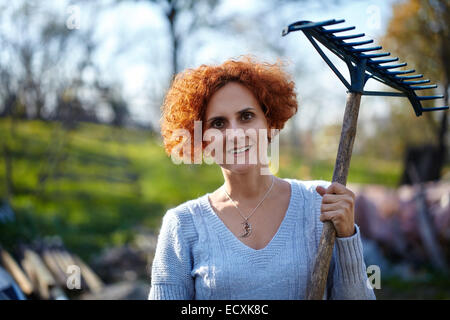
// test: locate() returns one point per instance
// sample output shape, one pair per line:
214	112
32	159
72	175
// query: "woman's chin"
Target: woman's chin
239	168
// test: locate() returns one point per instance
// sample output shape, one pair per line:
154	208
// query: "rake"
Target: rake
362	64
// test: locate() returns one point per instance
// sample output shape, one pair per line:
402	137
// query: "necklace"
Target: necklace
246	225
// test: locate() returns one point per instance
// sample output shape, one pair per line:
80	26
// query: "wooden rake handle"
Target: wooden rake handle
319	275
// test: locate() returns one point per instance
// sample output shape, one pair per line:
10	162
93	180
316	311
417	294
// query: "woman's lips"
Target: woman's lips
246	148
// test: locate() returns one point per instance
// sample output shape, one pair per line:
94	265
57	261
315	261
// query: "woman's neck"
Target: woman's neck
249	185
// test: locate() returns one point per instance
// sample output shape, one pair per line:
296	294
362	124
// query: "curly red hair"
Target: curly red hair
191	90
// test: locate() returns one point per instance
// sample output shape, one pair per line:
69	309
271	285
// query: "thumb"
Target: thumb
321	190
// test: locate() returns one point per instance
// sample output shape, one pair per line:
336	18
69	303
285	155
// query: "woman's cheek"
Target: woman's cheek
213	142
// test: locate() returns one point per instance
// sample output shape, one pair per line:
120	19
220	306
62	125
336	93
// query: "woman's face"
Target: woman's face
241	128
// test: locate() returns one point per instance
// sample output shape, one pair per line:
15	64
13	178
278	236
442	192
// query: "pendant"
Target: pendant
247	229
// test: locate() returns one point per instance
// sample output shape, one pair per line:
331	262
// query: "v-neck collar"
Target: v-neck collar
280	237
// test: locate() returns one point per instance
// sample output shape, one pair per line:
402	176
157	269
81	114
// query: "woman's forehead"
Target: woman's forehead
231	98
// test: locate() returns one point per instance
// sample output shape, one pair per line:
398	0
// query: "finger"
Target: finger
321	190
330	215
337	188
330	207
332	198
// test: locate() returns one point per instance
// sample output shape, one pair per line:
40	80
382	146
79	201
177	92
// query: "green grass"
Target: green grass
363	170
430	286
103	182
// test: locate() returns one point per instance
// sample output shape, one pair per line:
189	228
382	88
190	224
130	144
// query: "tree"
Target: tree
42	62
418	33
193	13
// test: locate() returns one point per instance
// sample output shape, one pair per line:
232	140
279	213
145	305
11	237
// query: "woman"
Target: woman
257	235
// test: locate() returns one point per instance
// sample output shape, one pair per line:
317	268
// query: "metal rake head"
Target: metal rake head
364	65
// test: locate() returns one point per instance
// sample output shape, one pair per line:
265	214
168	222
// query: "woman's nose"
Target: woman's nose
235	134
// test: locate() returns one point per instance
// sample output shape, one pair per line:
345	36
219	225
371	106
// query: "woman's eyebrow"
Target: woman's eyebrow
238	112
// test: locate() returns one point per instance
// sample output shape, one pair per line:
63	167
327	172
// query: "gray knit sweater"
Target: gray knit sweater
198	257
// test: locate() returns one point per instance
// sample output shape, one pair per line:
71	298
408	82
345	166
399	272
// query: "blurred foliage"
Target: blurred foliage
418	34
106	182
401	128
414	33
428	285
48	70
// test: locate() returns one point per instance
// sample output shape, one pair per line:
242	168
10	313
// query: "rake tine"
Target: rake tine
350	36
417	76
365	49
359	43
430	97
375	55
431	86
393	66
401	72
383	60
416	82
337	30
434	108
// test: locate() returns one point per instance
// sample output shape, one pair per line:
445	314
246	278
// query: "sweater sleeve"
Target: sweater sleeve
347	277
172	264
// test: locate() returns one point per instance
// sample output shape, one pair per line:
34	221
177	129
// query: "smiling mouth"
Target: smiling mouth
240	150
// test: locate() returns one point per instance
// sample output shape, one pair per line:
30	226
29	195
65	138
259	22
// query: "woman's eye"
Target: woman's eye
217	124
247	115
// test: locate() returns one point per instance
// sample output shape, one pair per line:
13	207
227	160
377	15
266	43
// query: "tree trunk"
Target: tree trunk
8	172
171	16
427	231
445	54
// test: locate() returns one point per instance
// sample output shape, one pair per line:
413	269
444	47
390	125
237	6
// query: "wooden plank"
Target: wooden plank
42	278
16	272
92	279
50	260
